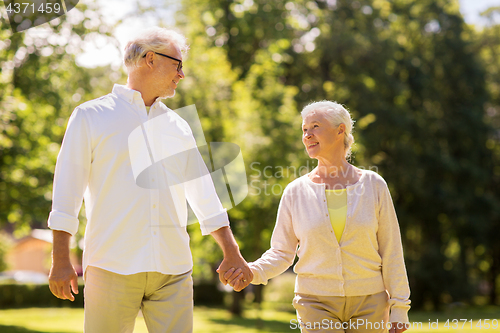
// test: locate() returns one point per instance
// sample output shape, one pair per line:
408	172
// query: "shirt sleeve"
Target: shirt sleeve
71	175
284	244
201	194
391	251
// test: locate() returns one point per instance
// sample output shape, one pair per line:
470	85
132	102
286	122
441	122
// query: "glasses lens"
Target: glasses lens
179	67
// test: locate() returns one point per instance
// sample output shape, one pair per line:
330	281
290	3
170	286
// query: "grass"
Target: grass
211	320
41	320
206	320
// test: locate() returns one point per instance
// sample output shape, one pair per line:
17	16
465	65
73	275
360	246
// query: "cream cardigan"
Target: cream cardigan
369	258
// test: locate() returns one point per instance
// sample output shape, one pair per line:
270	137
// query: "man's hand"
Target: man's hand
398	327
239	278
62	276
232	258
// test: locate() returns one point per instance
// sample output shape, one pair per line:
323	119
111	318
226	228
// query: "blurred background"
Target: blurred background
420	77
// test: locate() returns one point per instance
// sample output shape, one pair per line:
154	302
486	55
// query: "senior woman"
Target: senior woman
341	223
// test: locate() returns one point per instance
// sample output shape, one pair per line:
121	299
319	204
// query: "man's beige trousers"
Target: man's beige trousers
112	301
351	314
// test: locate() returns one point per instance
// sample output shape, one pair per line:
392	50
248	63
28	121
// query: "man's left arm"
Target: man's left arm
233	260
203	199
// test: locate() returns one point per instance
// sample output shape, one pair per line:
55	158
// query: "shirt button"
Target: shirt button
153	180
154	233
326	214
154	206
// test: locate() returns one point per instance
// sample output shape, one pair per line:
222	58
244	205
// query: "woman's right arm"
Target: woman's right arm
284	244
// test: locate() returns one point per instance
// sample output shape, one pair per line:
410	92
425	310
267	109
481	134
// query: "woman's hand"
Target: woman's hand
398	327
235	279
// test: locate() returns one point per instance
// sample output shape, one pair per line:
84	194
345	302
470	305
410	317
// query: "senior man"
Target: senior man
137	253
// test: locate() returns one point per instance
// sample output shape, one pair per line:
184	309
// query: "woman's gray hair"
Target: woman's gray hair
336	115
153	39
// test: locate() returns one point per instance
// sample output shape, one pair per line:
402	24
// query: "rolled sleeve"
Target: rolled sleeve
63	222
213	223
399	314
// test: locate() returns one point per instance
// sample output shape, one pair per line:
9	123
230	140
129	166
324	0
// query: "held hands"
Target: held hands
237	278
62	276
232	260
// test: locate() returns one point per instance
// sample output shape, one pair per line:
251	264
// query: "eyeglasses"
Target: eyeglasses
179	67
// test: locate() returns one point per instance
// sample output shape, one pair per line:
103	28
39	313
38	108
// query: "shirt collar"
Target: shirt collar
126	93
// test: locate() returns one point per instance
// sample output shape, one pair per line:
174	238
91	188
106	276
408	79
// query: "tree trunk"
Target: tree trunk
236	308
258	293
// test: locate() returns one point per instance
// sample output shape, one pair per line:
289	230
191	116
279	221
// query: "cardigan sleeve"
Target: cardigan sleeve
391	251
284	244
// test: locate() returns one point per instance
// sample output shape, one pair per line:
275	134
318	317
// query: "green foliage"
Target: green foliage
488	47
26	295
40	84
208	294
5	245
280	290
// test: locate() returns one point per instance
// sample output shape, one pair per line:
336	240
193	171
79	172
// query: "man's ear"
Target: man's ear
149	59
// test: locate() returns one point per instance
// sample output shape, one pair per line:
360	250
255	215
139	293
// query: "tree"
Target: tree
39	87
487	45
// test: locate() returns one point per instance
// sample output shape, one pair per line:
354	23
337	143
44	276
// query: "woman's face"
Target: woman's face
320	138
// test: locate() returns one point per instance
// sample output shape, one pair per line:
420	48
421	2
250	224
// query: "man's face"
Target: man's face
166	76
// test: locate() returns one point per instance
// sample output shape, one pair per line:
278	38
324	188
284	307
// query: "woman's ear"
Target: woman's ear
341	128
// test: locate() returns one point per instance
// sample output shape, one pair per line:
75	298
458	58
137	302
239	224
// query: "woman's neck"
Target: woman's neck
335	173
332	168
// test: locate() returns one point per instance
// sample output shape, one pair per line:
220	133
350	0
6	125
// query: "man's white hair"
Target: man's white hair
153	39
336	114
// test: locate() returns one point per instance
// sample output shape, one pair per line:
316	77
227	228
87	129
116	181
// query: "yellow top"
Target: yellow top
337	209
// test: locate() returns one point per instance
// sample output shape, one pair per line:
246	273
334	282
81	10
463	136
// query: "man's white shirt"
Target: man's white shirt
134	223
